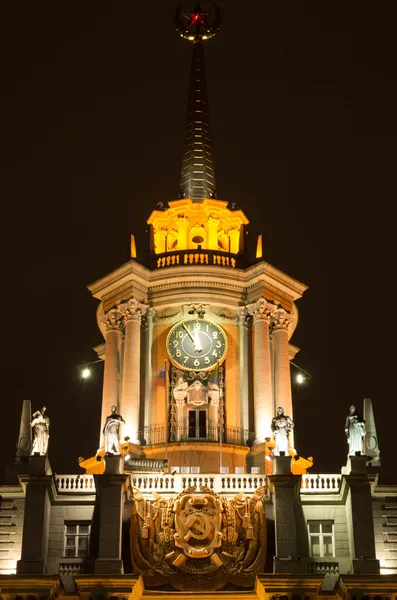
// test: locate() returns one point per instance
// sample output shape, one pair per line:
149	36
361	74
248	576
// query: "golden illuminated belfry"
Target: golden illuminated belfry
196	485
197	350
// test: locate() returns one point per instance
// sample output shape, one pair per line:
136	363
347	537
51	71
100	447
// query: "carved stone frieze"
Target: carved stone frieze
198	537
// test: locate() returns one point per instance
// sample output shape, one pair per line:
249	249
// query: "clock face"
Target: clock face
196	345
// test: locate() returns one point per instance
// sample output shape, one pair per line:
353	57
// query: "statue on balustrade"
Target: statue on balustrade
111	432
41	431
355	431
281	427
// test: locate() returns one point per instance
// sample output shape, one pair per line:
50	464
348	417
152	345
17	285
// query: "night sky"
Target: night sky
303	111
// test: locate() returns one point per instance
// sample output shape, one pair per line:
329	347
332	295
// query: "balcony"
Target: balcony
169	484
321	484
157	435
198	257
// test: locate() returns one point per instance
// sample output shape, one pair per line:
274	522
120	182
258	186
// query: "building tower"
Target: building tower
197	351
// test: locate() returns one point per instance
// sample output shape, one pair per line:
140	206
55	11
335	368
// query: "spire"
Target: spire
198	170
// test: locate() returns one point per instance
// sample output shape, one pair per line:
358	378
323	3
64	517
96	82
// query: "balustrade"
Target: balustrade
320	484
221	483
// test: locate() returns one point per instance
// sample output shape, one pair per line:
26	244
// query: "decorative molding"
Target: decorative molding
261	309
132	310
281	319
112	319
125	286
172	284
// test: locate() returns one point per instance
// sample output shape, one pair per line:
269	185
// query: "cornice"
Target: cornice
210	276
274	278
120	278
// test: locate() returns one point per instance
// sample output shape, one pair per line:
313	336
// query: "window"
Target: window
77	540
321	538
197	424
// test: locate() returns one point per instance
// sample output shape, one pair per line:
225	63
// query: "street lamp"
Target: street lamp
302	375
85	370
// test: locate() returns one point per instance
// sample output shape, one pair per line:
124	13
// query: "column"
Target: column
213	226
282	376
234	235
244	330
182	224
160	236
129	405
261	312
110	395
148	368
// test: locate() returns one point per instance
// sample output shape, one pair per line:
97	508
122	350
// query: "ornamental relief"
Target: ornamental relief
277	317
198	535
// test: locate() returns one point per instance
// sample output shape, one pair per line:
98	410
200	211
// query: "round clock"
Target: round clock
196	344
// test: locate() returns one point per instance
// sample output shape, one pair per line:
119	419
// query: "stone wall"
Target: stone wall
11	528
337	514
60	514
385	525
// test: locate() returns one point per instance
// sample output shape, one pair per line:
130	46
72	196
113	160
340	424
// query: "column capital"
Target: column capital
281	319
243	316
148	317
213	220
111	319
182	222
261	309
132	310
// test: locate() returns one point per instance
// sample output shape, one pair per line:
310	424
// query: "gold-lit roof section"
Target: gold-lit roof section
188	225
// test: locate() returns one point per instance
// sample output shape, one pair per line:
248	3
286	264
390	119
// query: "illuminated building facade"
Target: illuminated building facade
197	350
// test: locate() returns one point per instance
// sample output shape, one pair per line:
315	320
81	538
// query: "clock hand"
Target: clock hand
189	334
197	342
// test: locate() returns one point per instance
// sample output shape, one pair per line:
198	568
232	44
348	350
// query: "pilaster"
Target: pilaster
359	504
286	489
36	518
111	503
244	331
148	341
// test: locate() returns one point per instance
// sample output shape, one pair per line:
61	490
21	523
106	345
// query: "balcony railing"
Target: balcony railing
171	484
324	568
248	483
158	435
73	484
320	484
197	257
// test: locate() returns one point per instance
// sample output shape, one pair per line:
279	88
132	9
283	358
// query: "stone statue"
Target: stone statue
111	432
41	432
355	431
281	426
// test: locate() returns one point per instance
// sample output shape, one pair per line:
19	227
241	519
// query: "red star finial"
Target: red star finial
197	28
197	16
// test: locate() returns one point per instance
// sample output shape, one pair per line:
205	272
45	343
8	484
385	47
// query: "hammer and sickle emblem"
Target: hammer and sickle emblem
198	527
